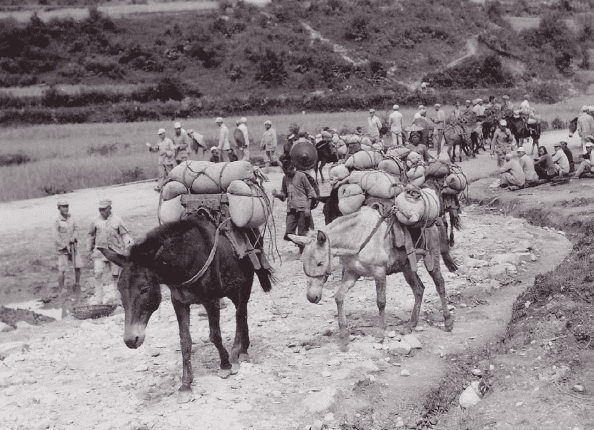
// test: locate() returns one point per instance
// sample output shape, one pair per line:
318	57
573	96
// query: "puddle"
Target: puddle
38	307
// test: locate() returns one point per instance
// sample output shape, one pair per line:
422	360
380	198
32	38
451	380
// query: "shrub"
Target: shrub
546	92
270	68
14	159
133	175
170	88
105	150
558	124
358	29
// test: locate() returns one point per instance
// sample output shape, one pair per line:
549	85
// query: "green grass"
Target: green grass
62	160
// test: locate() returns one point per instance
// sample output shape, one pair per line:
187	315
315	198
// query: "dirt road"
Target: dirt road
73	374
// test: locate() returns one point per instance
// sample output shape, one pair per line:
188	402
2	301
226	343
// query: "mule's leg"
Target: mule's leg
418	289
242	339
348	280
434	251
182	312
452	222
380	288
322	164
214	316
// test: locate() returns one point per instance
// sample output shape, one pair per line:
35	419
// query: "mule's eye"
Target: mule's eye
320	264
144	290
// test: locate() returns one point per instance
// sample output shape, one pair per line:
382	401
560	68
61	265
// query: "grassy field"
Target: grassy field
38	90
66	157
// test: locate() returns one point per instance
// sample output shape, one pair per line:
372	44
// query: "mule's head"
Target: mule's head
317	262
140	291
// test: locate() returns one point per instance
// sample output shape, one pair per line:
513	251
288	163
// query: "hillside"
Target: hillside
246	55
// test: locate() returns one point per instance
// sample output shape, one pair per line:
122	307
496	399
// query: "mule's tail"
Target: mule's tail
456	220
449	261
266	279
444	247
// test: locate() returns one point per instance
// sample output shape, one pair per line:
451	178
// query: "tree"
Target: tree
270	68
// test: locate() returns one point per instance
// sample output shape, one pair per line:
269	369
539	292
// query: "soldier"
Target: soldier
224	146
395	123
107	231
501	142
439	126
242	139
269	143
181	142
374	124
166	151
507	104
65	229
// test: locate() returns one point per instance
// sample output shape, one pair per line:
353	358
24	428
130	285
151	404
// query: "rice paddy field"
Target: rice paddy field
69	157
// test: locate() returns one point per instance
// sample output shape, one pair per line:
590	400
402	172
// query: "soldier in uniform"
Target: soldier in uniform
269	143
502	141
107	231
166	151
181	142
65	229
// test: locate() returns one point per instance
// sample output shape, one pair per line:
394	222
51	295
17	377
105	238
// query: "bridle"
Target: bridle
328	270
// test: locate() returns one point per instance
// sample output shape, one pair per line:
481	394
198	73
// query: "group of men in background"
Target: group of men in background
177	149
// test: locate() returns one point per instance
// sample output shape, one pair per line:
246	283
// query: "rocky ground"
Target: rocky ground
79	374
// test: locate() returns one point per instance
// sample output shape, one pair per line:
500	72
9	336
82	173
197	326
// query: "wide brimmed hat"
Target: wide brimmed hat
304	156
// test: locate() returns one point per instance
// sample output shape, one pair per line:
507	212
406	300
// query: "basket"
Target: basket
92	311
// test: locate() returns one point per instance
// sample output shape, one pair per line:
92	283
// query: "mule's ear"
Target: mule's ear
300	240
113	256
321	237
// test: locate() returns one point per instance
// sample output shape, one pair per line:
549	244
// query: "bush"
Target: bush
105	150
358	29
482	72
170	88
14	159
546	92
558	124
133	175
270	68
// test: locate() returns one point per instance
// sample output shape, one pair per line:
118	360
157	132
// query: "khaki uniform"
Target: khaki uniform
166	161
501	143
109	233
224	145
182	146
65	240
512	173
374	124
269	143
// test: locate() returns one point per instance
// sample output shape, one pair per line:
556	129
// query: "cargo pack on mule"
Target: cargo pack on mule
232	197
394	184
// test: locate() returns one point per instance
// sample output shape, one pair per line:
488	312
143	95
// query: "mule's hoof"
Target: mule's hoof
344	347
184	396
185	389
234	368
244	358
406	329
224	373
449	324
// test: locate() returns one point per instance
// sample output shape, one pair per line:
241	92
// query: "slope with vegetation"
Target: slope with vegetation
242	58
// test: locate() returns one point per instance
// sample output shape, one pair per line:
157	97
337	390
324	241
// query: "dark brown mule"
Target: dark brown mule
175	254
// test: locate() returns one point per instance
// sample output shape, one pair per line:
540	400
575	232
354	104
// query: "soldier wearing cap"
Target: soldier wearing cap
395	123
224	146
242	139
374	125
457	112
478	109
527	164
198	145
269	142
181	142
467	107
166	151
507	104
585	125
439	126
502	142
65	229
586	166
560	160
420	113
107	231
